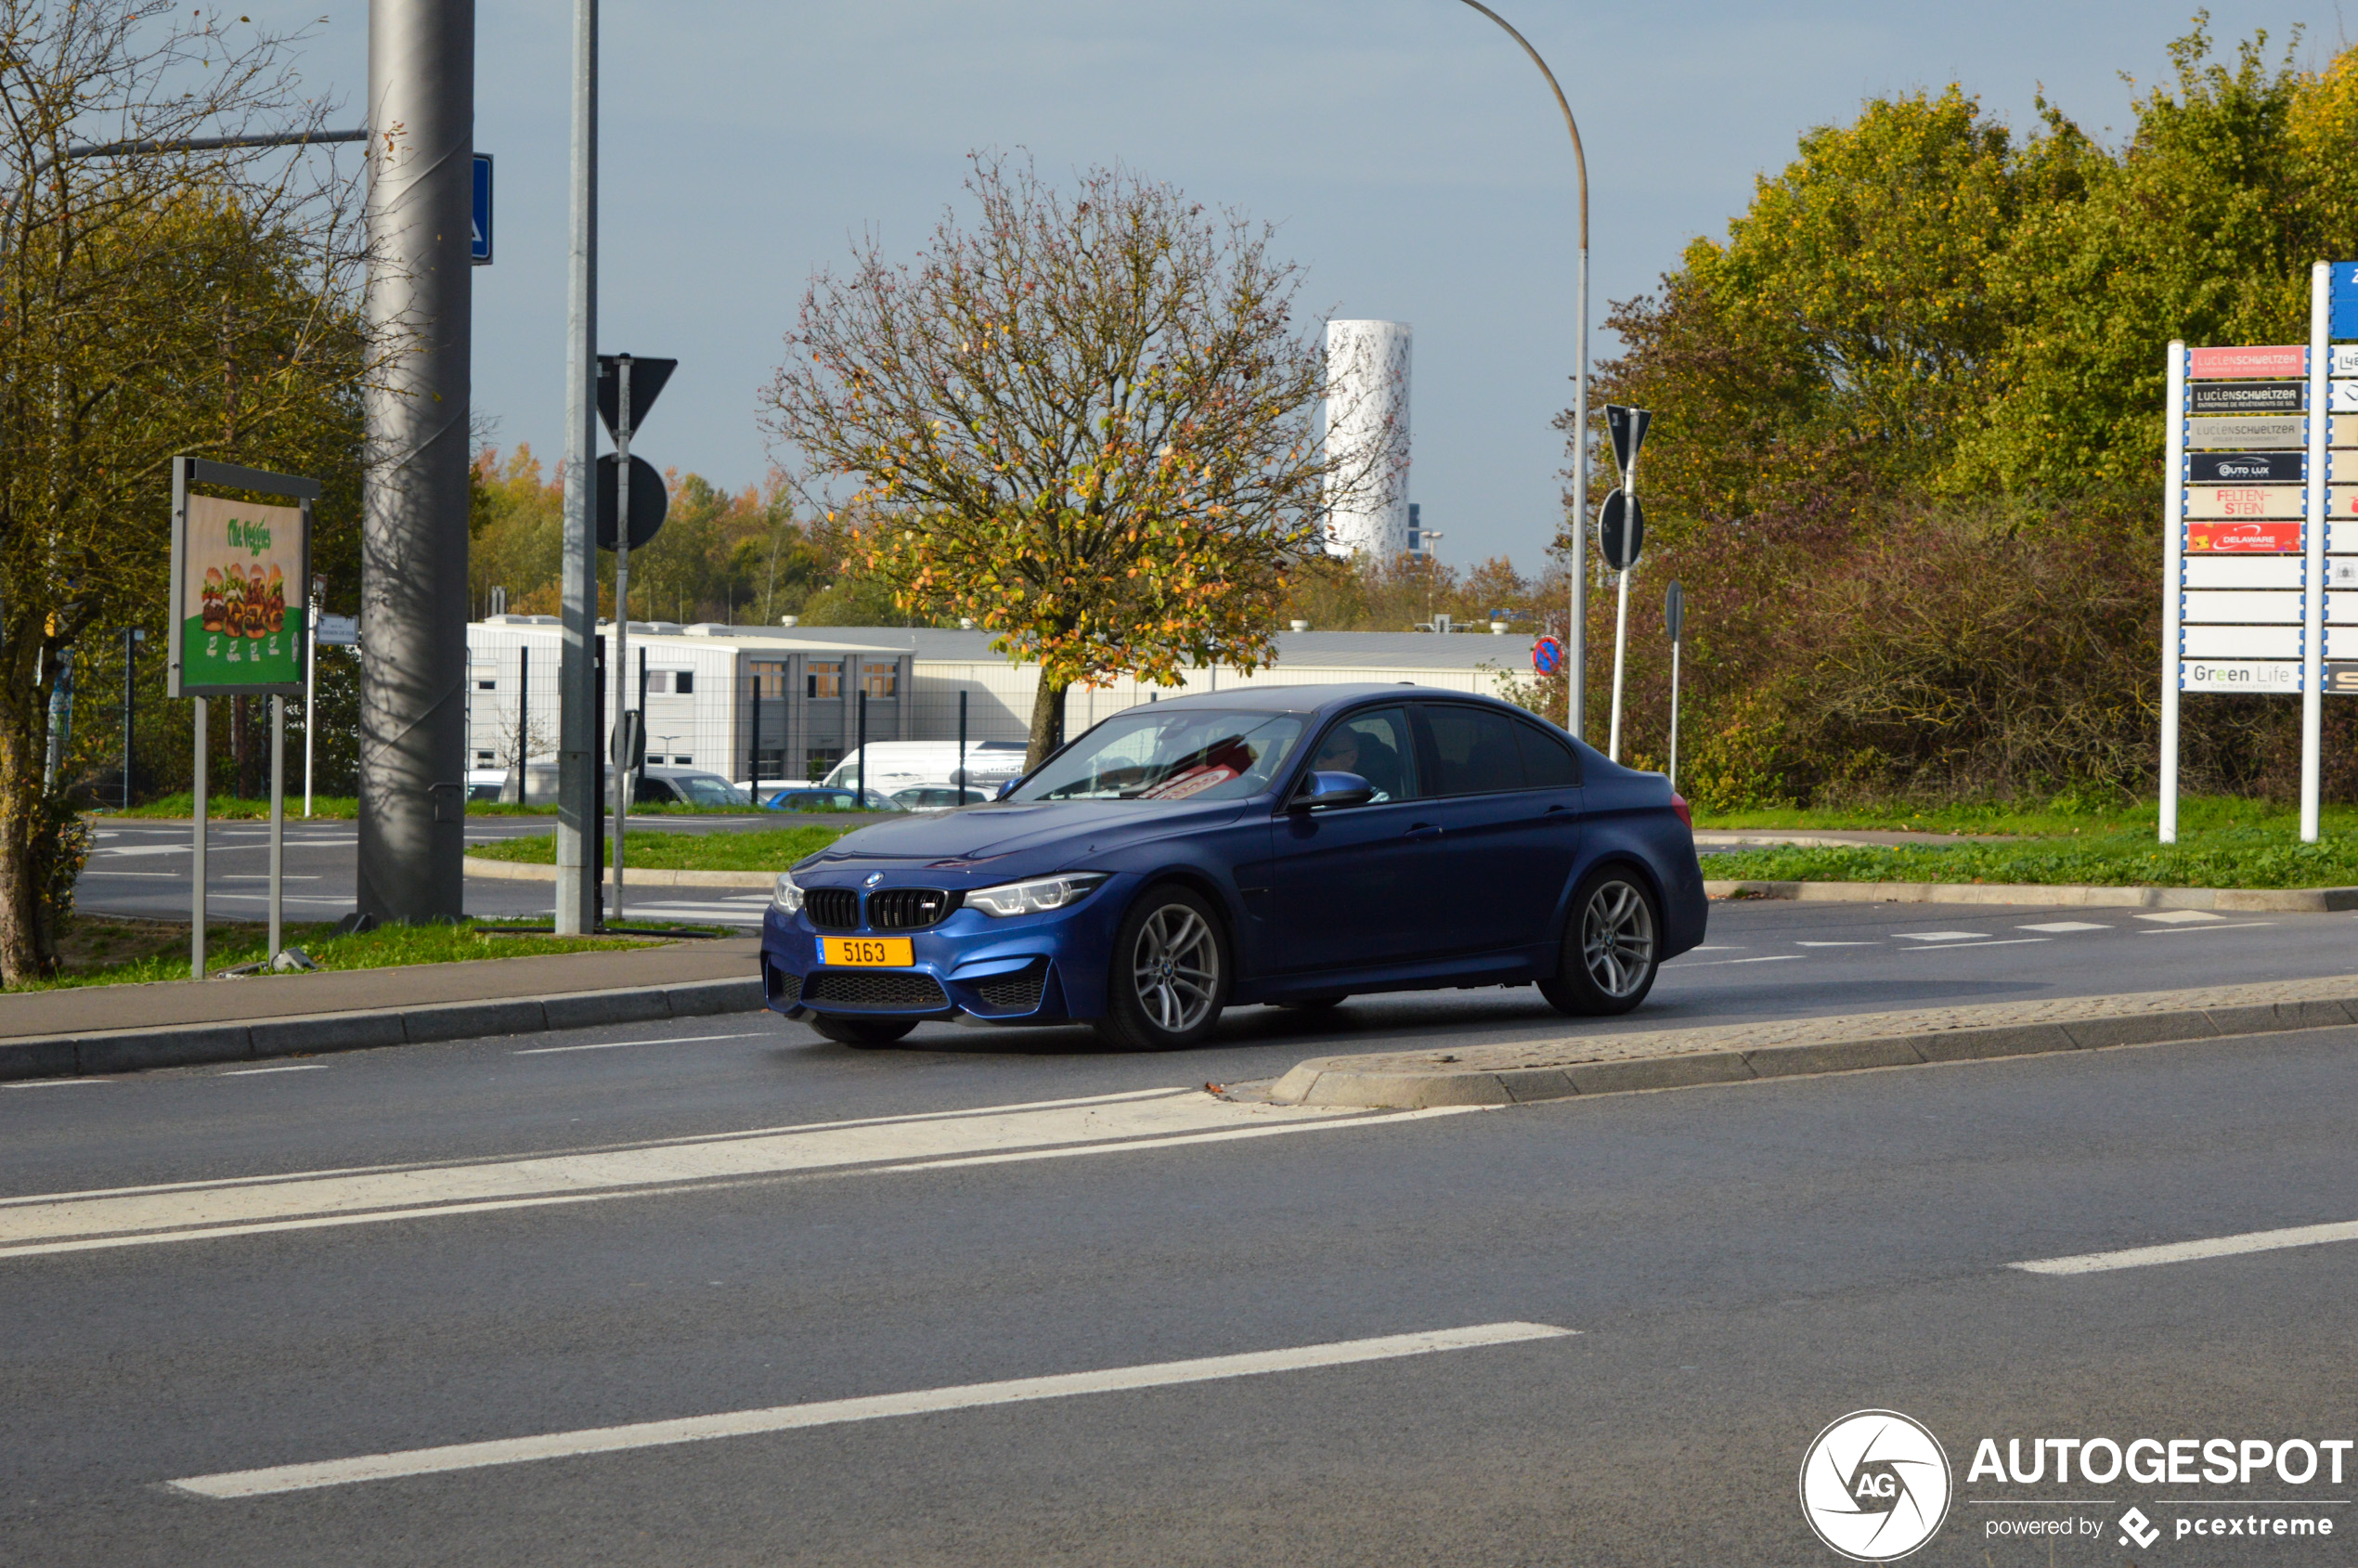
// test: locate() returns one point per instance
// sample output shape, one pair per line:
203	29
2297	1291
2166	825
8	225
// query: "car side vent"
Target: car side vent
833	909
908	909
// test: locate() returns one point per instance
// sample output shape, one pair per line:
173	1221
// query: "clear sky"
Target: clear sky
1411	155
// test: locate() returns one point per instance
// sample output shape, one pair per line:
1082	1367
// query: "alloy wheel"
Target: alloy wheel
1176	969
1617	938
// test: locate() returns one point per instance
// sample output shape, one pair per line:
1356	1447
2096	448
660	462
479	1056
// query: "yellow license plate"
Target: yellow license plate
891	952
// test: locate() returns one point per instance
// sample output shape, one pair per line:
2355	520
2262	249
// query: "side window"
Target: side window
1473	750
1377	746
1547	761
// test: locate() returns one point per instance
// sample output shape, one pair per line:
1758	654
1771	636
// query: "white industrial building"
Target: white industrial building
717	696
1368	437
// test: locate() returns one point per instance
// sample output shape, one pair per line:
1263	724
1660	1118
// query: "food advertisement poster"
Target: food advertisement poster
242	596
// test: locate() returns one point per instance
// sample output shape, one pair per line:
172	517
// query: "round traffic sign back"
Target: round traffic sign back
1548	655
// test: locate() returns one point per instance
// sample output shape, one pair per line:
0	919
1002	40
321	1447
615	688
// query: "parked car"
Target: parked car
820	798
891	765
685	787
1288	845
938	797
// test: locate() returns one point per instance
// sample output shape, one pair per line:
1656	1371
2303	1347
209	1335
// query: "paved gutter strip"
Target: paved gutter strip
525	871
186	1045
1546	1069
2270	900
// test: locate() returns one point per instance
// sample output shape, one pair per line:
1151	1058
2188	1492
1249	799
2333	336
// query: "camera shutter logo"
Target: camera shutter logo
1876	1486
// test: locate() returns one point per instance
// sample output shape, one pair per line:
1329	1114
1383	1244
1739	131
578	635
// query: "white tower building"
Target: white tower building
1368	434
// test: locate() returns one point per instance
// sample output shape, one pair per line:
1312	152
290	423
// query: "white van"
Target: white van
896	765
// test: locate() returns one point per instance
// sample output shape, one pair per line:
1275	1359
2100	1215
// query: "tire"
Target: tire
1612	946
866	1033
1170	976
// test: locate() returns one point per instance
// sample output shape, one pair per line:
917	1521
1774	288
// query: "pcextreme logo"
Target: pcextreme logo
1874	1485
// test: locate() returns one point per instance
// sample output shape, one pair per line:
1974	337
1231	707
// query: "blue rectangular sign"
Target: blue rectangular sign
2343	321
482	247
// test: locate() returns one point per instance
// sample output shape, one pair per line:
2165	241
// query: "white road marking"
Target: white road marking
1719	963
835	1412
1735	948
1837	944
2178	918
1943	935
54	1083
618	1045
2184	930
2059	927
45	1224
2194	1251
2002	941
257	1072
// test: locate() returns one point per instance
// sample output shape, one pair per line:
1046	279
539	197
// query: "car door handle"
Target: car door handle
1423	830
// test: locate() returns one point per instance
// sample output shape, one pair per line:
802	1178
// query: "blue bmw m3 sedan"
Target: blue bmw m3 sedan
1282	846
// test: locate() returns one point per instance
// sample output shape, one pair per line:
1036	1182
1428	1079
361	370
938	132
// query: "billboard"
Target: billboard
238	573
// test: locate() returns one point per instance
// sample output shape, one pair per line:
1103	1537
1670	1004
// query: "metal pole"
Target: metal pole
961	748
1576	651
196	878
860	751
310	687
130	654
2173	577
753	762
1620	647
2313	615
579	812
413	536
1674	715
523	723
622	735
277	825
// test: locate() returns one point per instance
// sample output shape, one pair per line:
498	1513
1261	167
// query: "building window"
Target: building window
768	681
486	685
484	757
880	679
683	681
823	681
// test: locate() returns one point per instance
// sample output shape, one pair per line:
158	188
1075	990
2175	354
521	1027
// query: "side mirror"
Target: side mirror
1321	791
1005	789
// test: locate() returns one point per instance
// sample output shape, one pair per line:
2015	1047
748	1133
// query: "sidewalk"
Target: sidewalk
119	1029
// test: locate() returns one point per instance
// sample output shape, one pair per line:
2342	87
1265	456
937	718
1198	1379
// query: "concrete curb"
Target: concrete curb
2277	900
1683	1058
521	871
191	1044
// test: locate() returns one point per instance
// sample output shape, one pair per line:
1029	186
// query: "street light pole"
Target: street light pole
1576	649
578	871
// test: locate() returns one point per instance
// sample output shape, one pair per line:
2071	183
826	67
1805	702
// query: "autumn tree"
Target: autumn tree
1086	421
170	301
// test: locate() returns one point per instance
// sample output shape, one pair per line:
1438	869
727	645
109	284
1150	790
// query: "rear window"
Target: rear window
1474	751
1549	762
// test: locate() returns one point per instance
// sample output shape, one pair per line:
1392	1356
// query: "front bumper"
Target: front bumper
1028	969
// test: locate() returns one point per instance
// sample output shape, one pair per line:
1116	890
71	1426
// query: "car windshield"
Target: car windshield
1176	754
710	791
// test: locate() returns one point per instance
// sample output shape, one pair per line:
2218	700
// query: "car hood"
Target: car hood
1018	838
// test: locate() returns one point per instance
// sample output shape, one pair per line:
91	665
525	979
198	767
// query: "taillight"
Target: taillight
1679	804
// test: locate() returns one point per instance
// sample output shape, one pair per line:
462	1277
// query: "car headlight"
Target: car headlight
786	898
1037	896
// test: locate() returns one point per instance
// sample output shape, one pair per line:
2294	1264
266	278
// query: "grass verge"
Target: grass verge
2061	815
2220	857
229	807
98	949
755	850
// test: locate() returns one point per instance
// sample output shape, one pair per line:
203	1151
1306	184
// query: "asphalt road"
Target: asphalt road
1742	1265
142	867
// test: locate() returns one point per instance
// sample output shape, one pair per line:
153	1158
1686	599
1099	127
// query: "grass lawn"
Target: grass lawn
2248	855
2061	816
755	850
99	950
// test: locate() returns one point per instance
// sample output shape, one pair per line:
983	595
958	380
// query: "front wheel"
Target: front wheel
866	1033
1170	976
1612	948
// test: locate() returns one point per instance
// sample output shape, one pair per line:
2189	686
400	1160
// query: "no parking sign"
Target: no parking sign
1548	655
